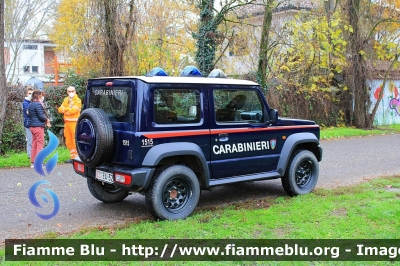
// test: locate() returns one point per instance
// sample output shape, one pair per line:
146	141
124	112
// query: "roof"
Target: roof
186	80
258	7
296	5
29	41
379	68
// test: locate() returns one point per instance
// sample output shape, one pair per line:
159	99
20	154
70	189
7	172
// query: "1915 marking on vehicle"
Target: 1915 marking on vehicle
171	137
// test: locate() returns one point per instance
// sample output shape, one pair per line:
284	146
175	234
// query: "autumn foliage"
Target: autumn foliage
314	65
157	35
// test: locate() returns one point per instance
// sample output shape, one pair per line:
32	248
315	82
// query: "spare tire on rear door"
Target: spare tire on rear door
94	137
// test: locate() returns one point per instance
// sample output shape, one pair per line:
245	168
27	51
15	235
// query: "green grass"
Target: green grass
11	160
341	132
369	210
366	211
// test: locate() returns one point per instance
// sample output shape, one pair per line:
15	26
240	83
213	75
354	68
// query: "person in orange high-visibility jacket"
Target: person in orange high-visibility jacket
71	108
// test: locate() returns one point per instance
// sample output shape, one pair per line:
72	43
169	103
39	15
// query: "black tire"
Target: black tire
94	137
173	193
302	173
106	193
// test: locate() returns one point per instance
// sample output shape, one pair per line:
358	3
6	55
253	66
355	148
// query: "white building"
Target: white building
26	59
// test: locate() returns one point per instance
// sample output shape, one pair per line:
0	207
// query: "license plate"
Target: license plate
104	176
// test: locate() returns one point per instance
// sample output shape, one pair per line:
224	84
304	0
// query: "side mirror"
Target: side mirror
273	116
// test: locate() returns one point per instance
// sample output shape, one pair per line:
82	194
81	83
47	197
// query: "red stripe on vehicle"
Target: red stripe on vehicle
186	133
249	130
169	134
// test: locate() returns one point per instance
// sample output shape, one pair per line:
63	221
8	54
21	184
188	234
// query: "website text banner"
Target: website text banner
202	250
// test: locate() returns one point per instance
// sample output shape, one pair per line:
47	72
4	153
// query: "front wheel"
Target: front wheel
174	193
302	173
106	193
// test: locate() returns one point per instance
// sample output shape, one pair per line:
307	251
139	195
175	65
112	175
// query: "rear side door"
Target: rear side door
116	97
175	115
241	143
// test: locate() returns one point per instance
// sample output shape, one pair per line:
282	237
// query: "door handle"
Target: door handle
223	137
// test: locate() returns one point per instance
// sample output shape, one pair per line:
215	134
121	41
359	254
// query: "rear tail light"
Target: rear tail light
79	167
122	178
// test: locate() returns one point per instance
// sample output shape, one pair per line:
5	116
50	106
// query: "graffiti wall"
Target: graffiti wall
389	109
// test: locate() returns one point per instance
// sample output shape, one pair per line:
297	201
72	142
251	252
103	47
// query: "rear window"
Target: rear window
115	101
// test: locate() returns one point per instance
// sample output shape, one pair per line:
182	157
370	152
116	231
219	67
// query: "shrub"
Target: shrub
13	137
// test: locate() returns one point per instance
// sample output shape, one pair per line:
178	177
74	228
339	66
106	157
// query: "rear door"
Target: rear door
240	143
116	98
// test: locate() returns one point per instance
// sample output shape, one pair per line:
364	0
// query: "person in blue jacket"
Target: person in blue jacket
28	134
37	121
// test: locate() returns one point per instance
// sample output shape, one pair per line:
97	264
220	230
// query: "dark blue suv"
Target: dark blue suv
171	137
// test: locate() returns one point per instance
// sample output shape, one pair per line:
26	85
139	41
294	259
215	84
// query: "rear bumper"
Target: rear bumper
141	177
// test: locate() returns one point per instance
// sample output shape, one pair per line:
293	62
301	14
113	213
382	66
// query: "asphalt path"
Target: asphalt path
345	161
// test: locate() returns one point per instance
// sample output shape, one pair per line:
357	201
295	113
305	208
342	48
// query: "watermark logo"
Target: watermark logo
34	201
38	165
52	162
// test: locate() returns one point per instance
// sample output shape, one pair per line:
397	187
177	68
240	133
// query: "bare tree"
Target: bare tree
24	19
365	20
356	78
3	89
208	36
119	23
265	44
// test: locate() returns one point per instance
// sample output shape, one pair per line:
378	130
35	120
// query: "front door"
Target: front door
241	143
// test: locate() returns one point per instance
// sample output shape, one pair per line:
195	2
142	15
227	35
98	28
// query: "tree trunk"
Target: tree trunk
264	45
112	52
3	89
118	31
357	80
206	45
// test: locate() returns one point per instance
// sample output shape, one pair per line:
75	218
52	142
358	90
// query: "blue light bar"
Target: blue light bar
191	71
157	71
217	73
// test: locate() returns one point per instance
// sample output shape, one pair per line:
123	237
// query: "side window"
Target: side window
176	106
238	106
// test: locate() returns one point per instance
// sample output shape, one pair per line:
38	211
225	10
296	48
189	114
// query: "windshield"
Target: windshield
113	100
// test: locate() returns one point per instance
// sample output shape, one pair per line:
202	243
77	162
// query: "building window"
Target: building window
30	47
35	69
27	69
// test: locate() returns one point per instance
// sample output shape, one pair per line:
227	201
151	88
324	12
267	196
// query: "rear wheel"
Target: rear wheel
302	173
106	193
174	193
